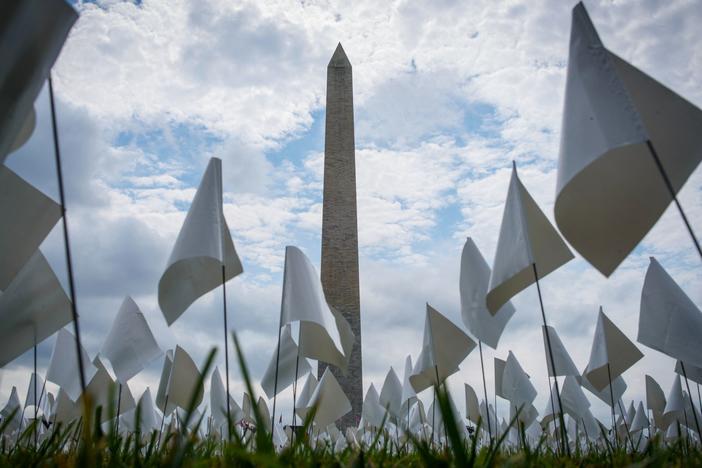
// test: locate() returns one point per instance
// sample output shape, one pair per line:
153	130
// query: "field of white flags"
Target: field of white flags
628	144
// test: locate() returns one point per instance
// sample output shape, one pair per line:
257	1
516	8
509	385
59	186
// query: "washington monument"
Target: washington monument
339	269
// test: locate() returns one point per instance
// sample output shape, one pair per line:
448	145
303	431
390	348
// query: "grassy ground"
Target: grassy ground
85	444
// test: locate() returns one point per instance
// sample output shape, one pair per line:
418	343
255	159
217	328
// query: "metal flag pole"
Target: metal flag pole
66	242
553	364
671	191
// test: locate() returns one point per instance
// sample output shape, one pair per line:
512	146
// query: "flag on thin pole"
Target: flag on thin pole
669	321
204	245
628	144
31	39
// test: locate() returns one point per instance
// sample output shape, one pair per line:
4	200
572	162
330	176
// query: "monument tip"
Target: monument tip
339	59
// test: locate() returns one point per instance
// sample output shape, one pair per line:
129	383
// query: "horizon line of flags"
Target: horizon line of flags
628	145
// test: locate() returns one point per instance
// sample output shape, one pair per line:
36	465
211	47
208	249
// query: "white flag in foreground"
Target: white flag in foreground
445	346
473	285
130	346
669	321
63	367
289	362
32	36
324	334
612	353
609	191
203	247
527	238
179	382
330	400
32	308
27	217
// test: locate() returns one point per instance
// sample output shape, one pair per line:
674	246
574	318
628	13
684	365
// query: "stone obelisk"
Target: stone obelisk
339	269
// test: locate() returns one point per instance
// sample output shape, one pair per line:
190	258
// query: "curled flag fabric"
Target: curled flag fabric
609	190
204	245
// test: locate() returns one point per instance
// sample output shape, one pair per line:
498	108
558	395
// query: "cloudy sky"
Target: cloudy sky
447	94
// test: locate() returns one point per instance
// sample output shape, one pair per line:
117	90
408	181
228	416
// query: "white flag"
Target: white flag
474	281
612	353
32	308
324	335
27	218
655	398
390	397
563	363
204	245
181	383
130	346
573	398
290	365
526	238
12	408
304	397
609	190
33	34
605	395
516	386
472	405
330	400
63	367
669	321
408	393
445	346
101	387
148	420
693	373
218	403
372	412
640	421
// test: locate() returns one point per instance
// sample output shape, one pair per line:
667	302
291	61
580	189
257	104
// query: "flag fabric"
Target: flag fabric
473	284
612	353
609	190
329	399
472	405
563	363
618	388
445	346
27	218
669	321
63	367
179	382
31	39
204	245
526	238
390	397
130	345
516	386
304	396
218	403
324	334
289	363
372	413
33	307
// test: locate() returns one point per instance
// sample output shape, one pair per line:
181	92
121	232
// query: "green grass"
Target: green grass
85	444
